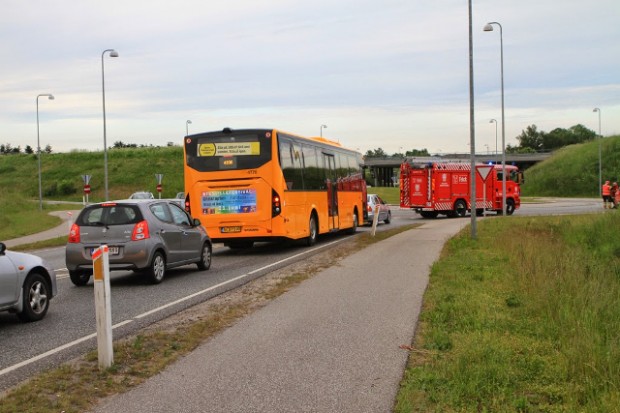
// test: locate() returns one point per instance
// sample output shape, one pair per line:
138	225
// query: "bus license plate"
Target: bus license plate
228	230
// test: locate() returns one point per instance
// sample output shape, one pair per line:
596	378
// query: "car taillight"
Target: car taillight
186	205
369	208
140	231
276	206
74	234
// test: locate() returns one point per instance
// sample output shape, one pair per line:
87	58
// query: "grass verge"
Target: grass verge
524	319
80	385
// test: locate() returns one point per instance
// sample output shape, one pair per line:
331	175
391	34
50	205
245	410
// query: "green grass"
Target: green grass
389	195
524	319
573	171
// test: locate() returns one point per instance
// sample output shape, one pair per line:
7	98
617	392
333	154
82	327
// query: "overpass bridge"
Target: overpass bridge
385	171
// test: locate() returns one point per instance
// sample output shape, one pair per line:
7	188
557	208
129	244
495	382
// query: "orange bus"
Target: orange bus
255	185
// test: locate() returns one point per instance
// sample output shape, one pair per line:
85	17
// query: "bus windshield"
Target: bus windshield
228	150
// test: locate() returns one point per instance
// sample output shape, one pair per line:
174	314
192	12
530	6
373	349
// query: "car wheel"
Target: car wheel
388	219
36	298
460	207
157	269
313	231
205	257
79	278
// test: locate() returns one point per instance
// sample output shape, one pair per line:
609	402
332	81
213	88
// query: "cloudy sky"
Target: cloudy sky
378	73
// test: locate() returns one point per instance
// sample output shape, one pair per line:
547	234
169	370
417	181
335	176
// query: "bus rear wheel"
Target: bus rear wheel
353	228
313	231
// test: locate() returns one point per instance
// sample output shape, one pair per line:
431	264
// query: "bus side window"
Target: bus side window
291	165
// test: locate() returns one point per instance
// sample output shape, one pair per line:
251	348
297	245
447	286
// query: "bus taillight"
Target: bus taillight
276	206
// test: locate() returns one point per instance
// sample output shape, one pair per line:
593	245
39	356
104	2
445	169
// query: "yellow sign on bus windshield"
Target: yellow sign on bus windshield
229	149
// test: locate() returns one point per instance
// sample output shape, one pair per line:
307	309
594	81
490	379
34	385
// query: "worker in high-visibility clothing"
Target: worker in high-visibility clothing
606	192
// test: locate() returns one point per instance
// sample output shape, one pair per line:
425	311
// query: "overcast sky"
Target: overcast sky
378	73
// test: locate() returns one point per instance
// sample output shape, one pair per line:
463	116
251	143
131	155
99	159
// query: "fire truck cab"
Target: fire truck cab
445	188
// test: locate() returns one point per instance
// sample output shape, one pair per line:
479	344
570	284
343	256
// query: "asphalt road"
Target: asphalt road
69	327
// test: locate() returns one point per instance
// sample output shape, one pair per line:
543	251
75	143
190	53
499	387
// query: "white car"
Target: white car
27	284
385	214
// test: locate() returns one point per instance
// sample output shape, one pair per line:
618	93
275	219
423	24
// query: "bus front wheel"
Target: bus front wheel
313	231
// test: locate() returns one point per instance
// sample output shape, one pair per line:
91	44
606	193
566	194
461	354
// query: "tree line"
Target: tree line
8	149
530	140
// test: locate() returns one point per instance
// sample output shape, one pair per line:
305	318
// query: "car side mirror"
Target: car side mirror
196	222
2	248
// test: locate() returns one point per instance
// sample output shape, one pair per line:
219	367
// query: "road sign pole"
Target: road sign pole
483	172
103	310
159	178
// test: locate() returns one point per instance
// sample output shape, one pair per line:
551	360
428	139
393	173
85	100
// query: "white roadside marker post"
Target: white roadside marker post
103	310
375	220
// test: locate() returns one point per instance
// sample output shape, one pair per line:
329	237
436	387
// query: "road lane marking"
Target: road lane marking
155	310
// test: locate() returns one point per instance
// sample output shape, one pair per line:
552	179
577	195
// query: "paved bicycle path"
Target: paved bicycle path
61	230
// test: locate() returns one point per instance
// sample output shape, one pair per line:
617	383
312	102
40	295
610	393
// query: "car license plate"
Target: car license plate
228	230
113	250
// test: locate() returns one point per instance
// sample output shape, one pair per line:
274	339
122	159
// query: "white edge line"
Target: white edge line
122	323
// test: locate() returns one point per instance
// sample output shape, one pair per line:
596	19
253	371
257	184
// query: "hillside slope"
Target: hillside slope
129	170
573	171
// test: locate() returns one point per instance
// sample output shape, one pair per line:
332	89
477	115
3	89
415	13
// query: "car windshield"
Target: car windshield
110	214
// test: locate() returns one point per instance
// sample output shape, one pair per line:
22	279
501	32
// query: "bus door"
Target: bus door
329	162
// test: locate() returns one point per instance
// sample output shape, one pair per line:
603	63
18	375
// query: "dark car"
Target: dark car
385	214
148	236
27	284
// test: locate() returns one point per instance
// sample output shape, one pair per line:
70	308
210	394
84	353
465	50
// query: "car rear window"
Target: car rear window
110	214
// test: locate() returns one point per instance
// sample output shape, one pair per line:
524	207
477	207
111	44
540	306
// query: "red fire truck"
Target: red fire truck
444	188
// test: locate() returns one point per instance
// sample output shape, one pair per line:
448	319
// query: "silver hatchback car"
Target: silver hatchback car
143	235
27	284
385	214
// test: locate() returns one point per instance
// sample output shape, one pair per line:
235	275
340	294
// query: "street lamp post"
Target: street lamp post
600	163
187	123
495	121
489	28
50	97
322	126
113	53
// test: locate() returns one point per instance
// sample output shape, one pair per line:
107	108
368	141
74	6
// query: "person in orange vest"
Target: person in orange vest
612	195
616	196
606	191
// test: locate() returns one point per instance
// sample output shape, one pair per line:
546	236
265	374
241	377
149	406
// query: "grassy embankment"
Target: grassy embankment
572	171
129	170
524	319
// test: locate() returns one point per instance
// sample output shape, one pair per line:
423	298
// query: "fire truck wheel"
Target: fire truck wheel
510	206
460	207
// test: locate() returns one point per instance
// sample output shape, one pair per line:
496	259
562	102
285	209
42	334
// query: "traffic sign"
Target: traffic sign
87	189
158	187
483	171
